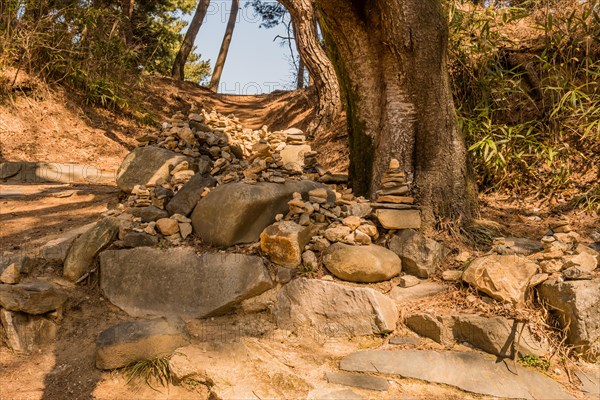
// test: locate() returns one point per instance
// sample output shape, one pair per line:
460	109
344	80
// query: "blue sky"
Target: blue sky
255	63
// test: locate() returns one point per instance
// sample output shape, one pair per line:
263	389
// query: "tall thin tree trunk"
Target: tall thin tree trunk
300	80
127	8
178	70
220	64
320	68
390	56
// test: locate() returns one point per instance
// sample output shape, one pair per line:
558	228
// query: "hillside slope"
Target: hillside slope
52	125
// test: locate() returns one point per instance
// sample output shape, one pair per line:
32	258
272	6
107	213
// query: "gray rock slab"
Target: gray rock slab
590	381
414	293
237	213
186	199
470	372
156	282
358	380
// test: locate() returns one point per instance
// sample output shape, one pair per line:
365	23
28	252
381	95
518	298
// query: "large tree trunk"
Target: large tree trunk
178	70
220	64
319	66
390	56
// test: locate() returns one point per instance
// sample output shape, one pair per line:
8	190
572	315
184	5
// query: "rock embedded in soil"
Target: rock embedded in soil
11	274
238	213
520	246
25	333
334	310
243	369
420	255
362	264
503	277
84	249
435	327
32	298
147	166
153	282
577	305
497	335
414	293
132	341
283	242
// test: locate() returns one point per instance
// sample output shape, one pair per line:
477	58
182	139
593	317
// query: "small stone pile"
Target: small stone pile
342	220
231	153
394	206
147	226
564	257
395	189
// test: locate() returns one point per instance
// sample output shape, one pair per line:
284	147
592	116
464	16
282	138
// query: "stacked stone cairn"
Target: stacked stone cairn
394	207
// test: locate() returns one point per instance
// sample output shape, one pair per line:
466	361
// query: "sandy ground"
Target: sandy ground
56	130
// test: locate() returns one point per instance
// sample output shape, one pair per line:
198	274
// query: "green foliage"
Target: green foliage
534	362
526	84
155	371
93	47
196	69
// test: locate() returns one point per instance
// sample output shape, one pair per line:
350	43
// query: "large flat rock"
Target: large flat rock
132	341
238	212
335	310
153	282
146	166
470	372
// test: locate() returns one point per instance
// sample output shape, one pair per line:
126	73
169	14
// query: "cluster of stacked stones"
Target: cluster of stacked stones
394	207
219	149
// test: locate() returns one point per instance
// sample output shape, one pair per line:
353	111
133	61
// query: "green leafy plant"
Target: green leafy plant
534	362
154	371
528	103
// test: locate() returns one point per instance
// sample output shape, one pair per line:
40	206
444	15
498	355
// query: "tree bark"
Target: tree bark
390	56
319	66
220	63
178	70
